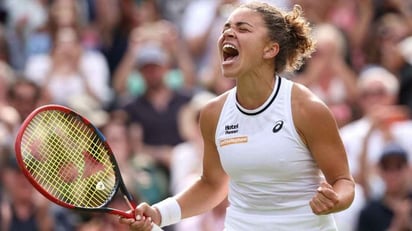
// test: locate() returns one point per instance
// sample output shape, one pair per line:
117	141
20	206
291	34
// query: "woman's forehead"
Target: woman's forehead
244	14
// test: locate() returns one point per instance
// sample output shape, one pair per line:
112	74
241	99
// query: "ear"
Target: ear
271	50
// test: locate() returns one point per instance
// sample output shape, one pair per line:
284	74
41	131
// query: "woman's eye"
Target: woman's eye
243	30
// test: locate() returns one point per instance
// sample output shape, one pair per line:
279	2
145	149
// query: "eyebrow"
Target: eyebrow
238	24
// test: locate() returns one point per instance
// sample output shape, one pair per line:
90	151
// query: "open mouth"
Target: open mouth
229	52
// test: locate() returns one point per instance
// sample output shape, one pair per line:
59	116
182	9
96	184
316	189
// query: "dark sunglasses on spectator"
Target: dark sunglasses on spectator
396	164
373	92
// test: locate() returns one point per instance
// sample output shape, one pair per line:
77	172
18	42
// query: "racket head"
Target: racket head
67	159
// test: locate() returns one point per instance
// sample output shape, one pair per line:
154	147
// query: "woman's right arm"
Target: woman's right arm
211	188
205	193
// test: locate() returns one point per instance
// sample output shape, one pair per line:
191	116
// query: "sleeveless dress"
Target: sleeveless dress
272	173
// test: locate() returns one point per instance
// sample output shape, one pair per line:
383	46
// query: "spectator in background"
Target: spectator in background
392	210
23	18
157	109
4	47
22	207
328	75
382	121
70	71
113	23
9	117
145	83
392	29
22	97
405	92
25	96
17	205
60	14
143	177
402	7
149	11
3	14
351	17
128	81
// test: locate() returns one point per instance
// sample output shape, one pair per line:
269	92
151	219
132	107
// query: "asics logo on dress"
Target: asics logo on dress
231	129
278	126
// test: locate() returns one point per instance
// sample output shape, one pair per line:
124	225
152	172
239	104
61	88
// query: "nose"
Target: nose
229	33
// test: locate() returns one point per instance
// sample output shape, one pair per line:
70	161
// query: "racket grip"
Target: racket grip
156	228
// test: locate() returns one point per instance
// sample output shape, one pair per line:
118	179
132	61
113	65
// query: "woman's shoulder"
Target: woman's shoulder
306	106
304	97
210	113
214	106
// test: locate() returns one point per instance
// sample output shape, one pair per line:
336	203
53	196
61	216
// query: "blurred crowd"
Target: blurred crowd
141	70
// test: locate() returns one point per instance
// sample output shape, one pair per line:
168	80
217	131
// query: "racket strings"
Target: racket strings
67	158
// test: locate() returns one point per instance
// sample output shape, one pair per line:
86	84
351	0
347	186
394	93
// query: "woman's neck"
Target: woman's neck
253	91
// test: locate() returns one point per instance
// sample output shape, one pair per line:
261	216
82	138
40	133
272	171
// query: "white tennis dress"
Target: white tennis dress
272	174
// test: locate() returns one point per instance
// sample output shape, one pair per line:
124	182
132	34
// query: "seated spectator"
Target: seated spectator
328	74
112	23
23	18
388	46
392	210
157	109
25	96
9	117
22	208
58	14
382	121
70	71
128	81
142	176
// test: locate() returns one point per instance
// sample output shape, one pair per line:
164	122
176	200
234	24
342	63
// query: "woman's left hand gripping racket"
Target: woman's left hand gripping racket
68	160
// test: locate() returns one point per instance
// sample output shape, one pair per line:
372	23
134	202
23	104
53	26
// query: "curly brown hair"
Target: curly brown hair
290	30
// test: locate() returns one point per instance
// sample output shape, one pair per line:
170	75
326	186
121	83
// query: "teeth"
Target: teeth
229	46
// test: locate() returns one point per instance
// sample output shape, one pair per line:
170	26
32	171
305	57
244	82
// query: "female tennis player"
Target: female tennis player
269	144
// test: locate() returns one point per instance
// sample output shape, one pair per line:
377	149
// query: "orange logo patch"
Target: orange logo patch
234	140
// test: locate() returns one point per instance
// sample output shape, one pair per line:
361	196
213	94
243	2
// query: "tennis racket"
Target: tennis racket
68	160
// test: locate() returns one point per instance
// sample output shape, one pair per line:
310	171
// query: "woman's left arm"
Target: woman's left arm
318	129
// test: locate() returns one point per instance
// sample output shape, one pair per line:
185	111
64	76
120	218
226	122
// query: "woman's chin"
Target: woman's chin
228	75
229	72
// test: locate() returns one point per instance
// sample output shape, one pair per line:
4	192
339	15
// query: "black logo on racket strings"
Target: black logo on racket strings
278	126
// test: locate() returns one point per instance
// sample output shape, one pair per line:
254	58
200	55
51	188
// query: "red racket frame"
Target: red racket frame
119	184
